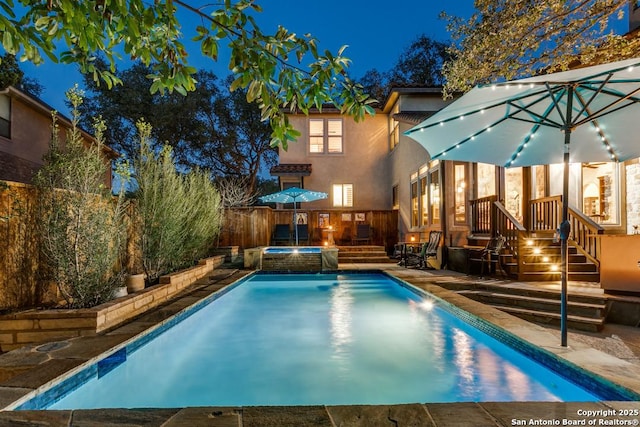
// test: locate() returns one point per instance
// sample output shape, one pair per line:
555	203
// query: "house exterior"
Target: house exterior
373	165
25	134
362	166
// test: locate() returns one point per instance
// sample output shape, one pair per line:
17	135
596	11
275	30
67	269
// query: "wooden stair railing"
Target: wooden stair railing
546	215
482	215
489	216
513	231
584	235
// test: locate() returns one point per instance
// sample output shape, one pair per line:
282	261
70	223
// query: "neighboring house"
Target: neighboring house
25	134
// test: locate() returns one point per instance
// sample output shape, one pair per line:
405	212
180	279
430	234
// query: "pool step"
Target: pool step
585	312
573	322
363	254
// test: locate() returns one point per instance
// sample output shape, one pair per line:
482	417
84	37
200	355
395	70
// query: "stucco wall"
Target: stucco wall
407	157
362	163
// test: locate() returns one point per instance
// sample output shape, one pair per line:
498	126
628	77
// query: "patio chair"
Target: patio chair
490	255
281	234
429	250
363	234
346	236
303	233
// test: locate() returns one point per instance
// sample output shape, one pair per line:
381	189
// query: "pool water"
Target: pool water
321	339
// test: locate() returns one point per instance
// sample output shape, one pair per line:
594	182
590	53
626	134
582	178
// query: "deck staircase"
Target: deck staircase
540	261
363	254
585	311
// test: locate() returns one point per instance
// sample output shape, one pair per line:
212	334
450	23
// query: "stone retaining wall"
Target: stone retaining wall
36	326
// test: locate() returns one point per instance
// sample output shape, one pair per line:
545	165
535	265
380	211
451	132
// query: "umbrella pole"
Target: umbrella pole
565	226
564	246
295	220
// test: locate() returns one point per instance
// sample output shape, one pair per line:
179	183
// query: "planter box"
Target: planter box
37	326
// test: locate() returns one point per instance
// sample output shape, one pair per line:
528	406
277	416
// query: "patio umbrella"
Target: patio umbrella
293	195
582	115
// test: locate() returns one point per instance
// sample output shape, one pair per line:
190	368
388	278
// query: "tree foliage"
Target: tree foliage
281	72
81	228
12	75
10	72
504	39
210	128
419	63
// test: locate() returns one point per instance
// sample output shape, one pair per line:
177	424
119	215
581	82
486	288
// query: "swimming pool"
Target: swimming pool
315	339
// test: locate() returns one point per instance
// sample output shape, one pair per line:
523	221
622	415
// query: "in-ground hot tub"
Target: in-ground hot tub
293	258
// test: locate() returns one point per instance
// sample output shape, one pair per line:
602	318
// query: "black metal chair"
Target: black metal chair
490	255
429	250
363	234
303	233
346	237
281	234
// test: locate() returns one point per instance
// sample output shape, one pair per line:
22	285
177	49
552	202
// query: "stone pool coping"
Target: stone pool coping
25	370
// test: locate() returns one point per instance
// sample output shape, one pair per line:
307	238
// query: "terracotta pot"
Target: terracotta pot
135	282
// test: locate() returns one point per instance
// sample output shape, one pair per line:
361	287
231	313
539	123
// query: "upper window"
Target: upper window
5	116
325	136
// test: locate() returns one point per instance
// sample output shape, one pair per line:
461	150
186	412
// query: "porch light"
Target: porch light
554	267
413	238
529	242
545	259
326	243
537	251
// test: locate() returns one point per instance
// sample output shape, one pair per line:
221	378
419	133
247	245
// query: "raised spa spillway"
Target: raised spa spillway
299	259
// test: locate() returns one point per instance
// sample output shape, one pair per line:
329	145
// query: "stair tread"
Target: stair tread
574	318
532	299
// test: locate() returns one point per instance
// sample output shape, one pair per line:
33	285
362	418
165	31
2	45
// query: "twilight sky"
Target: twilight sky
376	32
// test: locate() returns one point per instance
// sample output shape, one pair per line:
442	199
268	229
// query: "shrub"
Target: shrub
80	225
179	214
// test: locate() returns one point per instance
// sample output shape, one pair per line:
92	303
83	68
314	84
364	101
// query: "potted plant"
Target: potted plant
135	282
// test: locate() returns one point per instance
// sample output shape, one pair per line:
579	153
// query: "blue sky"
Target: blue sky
375	31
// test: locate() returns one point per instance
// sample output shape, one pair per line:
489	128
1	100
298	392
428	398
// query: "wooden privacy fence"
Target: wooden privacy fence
20	284
253	226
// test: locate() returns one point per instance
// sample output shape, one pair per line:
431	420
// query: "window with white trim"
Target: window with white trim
5	116
343	195
325	136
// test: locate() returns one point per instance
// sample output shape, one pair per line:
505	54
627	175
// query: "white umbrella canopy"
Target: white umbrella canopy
582	115
520	123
